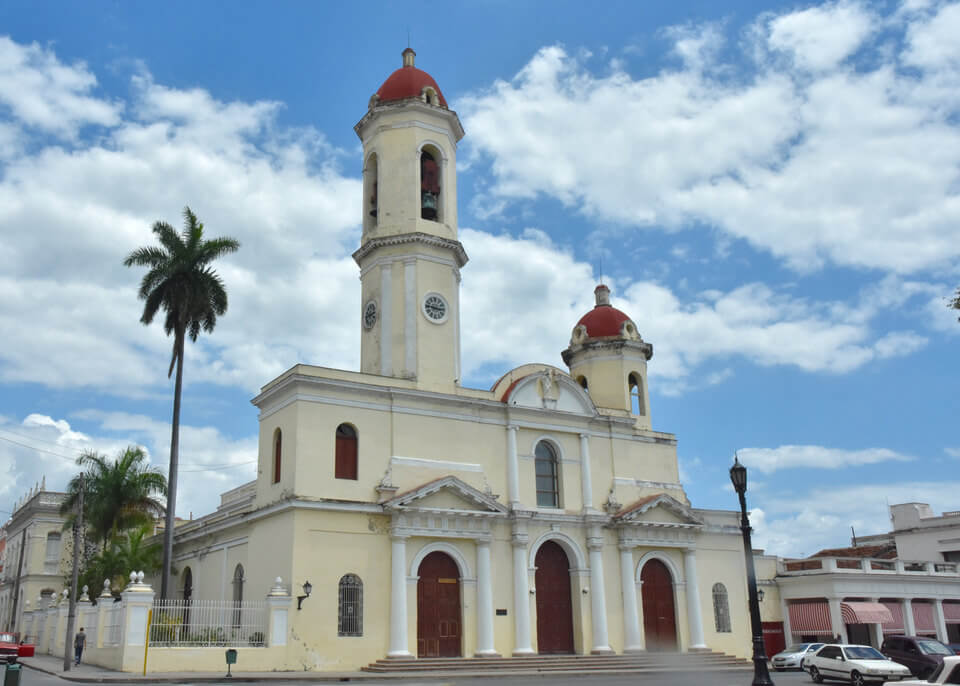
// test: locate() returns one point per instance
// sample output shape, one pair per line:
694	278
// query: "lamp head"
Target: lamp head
738	475
307	588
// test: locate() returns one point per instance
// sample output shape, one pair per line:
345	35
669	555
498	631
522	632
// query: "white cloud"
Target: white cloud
769	460
795	524
854	166
823	36
41	92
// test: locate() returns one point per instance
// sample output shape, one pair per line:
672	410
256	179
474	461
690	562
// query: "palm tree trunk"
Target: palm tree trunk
172	476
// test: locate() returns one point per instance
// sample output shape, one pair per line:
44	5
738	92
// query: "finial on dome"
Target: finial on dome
603	295
408	56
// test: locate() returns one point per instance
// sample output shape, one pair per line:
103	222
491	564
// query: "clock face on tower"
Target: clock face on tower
435	308
370	314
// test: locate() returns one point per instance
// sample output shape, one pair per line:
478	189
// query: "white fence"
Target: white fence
112	624
208	623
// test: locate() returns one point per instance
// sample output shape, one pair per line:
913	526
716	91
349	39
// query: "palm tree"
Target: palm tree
182	283
119	494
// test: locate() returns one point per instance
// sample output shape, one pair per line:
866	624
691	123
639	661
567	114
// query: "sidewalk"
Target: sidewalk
84	673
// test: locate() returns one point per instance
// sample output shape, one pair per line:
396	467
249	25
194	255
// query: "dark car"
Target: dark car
921	655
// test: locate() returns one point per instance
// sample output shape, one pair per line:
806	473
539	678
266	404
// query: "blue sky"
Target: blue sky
772	191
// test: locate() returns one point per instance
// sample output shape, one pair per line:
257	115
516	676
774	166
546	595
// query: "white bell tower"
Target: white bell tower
409	255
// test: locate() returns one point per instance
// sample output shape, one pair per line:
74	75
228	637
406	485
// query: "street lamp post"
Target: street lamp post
761	677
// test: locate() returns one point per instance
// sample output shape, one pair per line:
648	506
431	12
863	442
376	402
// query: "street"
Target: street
34	678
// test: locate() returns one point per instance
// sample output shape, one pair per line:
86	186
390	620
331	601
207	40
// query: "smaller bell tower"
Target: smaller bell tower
608	358
409	255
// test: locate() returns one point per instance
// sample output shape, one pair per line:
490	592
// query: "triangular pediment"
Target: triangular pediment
446	495
659	509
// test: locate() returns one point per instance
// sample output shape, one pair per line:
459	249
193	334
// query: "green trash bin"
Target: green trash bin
12	675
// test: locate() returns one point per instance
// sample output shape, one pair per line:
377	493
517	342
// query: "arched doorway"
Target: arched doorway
438	607
554	608
659	616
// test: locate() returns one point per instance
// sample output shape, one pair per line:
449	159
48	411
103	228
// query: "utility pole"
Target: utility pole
72	612
16	583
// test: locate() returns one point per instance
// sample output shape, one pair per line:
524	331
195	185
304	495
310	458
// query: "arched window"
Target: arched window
721	609
345	465
237	594
429	186
370	193
277	454
52	560
582	380
545	461
636	395
350	614
187	584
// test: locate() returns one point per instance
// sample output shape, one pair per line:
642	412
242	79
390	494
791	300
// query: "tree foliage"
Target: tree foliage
955	303
119	494
130	551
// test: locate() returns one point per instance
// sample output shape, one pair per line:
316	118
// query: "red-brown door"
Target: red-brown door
659	618
773	639
554	609
438	607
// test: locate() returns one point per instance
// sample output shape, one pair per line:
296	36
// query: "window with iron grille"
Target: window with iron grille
721	609
350	616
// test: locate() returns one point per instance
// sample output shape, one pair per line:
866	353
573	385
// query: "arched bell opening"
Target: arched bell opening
431	198
370	200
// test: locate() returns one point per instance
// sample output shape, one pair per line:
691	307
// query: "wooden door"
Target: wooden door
438	607
773	638
659	617
554	607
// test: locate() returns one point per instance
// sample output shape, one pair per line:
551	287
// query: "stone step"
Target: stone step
562	663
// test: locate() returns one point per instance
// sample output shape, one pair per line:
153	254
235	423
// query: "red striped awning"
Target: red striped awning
810	618
895	625
923	617
865	613
951	613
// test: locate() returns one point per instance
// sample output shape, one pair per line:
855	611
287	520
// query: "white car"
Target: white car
857	664
792	656
947	672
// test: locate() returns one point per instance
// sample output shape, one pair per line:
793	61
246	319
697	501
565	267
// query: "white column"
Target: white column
278	609
386	319
485	646
909	626
939	620
586	480
836	619
694	616
521	600
598	598
785	613
633	642
398	597
456	322
513	477
409	316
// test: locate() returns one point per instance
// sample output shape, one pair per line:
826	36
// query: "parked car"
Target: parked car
921	655
857	664
11	648
791	657
947	673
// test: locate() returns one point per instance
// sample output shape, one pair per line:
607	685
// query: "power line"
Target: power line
74	459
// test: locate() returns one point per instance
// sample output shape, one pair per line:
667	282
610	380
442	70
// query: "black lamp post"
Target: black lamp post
761	677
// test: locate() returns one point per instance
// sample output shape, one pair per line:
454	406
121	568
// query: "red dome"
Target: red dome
603	320
408	82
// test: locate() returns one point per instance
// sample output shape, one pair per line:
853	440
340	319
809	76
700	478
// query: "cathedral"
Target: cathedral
541	516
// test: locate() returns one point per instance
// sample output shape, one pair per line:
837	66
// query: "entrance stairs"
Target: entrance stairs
639	663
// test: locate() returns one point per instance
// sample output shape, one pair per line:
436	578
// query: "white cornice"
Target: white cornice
325	505
373	244
447	465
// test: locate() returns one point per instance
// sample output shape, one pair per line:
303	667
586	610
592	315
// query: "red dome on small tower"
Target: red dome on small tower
409	82
604	319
